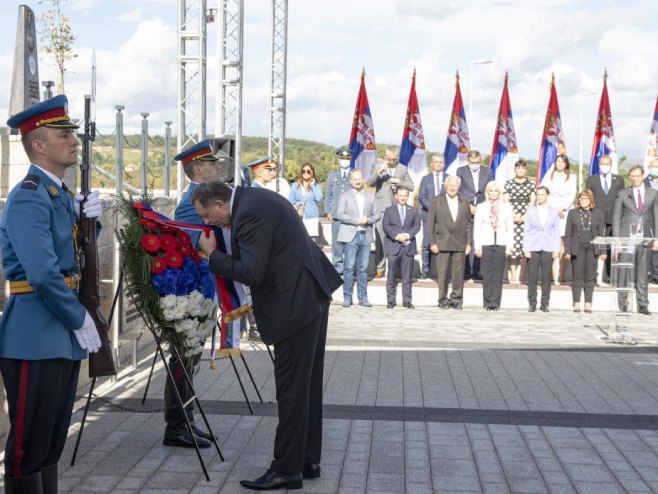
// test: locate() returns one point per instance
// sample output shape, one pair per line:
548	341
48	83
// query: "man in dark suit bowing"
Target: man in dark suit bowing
605	186
401	223
291	283
451	234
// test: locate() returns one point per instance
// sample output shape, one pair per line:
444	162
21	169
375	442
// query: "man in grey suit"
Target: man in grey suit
401	223
605	186
451	234
357	211
635	206
386	178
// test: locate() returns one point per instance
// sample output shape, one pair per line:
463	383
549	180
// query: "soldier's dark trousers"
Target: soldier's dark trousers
40	395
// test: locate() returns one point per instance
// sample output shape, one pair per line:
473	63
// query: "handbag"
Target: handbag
300	207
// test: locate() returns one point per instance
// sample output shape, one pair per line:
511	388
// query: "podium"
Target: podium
622	285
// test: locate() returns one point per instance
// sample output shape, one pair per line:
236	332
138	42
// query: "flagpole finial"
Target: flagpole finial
457	75
414	74
605	75
506	75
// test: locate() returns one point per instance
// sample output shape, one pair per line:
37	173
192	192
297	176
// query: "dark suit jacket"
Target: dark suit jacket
626	213
574	230
426	192
446	234
467	187
392	228
605	203
290	277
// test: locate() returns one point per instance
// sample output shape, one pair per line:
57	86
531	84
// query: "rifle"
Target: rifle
101	363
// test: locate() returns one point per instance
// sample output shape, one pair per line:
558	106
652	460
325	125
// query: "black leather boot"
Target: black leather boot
27	484
49	479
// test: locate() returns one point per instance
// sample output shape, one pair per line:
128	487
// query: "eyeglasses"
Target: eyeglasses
584	198
305	172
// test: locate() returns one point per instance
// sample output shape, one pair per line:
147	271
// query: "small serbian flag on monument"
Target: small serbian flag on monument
412	150
505	152
362	138
458	143
604	135
552	141
652	147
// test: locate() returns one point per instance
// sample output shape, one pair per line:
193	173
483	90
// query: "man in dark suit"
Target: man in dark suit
474	180
637	207
431	185
385	179
401	223
605	186
651	181
450	227
291	283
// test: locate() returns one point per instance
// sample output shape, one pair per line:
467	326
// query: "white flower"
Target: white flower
168	302
195	303
187	326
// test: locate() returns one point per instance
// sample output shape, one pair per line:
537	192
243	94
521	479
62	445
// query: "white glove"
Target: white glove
87	335
92	208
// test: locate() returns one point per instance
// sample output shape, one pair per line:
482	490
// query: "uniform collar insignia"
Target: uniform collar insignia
53	190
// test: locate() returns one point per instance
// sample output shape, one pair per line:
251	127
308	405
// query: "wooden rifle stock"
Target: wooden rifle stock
101	363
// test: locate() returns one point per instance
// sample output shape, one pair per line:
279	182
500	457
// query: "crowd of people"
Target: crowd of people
476	229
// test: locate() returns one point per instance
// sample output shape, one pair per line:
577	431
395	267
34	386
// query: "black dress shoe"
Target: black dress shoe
200	433
181	438
408	305
254	336
456	306
532	308
544	308
390	305
424	275
311	471
444	306
272	480
643	310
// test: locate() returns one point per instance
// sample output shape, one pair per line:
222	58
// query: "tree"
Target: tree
57	38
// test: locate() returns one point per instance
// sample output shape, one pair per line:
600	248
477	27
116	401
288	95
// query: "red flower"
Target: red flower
174	259
166	228
195	256
158	265
148	224
151	243
168	242
185	249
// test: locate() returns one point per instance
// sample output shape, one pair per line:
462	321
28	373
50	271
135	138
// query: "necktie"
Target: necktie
402	214
605	185
640	204
437	184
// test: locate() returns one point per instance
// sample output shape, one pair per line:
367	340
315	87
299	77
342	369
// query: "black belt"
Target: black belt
362	232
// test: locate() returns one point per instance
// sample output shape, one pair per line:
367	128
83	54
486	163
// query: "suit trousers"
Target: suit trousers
641	258
493	269
380	257
584	272
336	247
453	260
40	395
403	264
426	248
298	370
539	260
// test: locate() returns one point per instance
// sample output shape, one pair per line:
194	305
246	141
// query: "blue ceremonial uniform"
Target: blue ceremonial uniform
36	237
185	212
336	184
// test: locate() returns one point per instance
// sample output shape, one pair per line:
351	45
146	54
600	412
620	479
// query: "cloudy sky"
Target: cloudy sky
329	42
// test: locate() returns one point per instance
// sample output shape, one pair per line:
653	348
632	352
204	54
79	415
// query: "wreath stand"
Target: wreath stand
159	351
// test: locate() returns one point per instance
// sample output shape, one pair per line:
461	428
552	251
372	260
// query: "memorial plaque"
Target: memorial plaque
25	80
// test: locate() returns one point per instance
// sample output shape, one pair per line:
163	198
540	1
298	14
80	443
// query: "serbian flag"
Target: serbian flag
412	150
362	138
458	143
652	148
505	152
604	135
552	142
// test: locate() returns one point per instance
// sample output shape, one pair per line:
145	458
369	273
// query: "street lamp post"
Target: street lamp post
580	141
470	95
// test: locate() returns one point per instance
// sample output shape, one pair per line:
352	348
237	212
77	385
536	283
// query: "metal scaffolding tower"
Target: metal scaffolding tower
228	112
277	131
191	76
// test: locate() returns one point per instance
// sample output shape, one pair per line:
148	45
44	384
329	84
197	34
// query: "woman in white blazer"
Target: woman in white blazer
493	239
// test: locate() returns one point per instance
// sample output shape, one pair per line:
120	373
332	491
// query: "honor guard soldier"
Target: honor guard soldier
45	331
200	165
262	170
338	181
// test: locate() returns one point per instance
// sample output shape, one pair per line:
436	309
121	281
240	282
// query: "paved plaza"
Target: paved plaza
416	401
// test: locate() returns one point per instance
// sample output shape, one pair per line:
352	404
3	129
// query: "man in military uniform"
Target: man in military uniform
200	165
262	170
338	182
45	331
